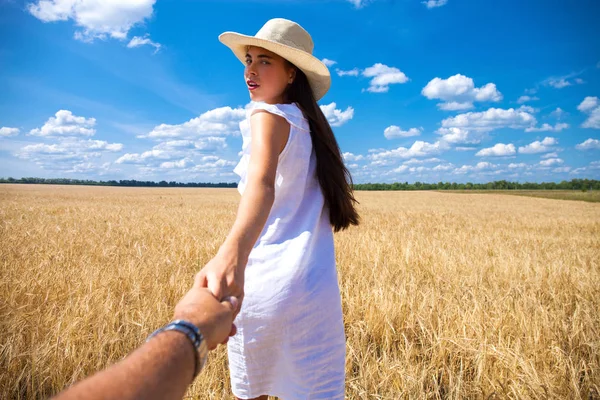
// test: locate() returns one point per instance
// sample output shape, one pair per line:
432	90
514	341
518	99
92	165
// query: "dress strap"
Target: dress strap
290	112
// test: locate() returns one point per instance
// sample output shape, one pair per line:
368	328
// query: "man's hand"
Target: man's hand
213	318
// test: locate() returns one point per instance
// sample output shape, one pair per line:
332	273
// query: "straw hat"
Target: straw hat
289	40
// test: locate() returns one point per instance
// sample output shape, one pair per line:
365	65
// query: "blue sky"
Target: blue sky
438	90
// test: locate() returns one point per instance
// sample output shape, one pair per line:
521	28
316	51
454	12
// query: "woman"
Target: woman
279	253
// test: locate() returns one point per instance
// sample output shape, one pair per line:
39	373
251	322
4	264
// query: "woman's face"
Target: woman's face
267	75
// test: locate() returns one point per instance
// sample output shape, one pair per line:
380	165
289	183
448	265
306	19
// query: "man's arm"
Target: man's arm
163	367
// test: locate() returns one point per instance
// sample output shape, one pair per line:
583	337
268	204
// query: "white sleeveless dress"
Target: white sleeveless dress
290	341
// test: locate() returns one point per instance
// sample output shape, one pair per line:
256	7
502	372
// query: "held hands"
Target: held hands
213	318
224	276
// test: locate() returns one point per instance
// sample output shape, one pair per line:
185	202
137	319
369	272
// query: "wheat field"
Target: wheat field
445	296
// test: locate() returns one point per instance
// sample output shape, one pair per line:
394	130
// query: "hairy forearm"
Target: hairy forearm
252	215
160	369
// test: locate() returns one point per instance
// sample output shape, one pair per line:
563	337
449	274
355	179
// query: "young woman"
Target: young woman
279	253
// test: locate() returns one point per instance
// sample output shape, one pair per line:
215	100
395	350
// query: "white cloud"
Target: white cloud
559	82
328	62
352	72
218	122
180	144
138	41
418	149
517	165
400	169
550	155
550	162
6	131
96	18
71	146
525	99
335	116
136	158
455	106
459	136
593	120
86	167
589	144
359	3
498	150
561	169
480	166
465	148
418	169
183	163
539	147
527	109
350	157
393	132
459	92
548	128
417	161
558	113
214	165
383	76
70	155
212	168
590	105
443	167
493	118
434	3
578	171
174	149
63	124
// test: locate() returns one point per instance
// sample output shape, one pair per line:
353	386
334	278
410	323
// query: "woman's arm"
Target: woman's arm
224	274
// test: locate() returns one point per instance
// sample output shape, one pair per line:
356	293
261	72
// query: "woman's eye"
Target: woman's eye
249	61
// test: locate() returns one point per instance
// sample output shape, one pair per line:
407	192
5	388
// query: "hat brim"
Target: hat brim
316	72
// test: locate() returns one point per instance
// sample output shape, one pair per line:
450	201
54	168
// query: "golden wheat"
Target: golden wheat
444	295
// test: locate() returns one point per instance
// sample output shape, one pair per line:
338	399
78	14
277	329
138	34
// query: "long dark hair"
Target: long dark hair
333	176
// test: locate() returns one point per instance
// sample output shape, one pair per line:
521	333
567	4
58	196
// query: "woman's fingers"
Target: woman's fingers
200	279
215	285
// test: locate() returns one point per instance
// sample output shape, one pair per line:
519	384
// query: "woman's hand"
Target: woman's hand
213	318
224	276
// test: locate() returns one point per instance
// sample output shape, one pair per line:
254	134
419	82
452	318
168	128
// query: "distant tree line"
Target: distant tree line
127	182
574	184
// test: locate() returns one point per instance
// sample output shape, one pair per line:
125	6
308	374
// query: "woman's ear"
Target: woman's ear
292	76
